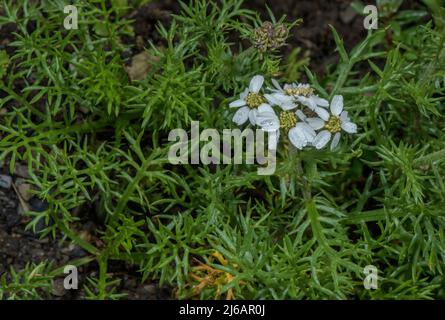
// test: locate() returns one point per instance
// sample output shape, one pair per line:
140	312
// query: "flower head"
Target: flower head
249	101
300	134
332	124
290	123
290	95
269	37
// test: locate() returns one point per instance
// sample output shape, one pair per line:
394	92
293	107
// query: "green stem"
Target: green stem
76	239
305	185
372	215
77	263
374	124
102	287
435	156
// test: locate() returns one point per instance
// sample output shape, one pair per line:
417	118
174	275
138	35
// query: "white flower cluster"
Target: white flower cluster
307	119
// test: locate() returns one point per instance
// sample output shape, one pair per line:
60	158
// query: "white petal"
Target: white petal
315	123
335	141
271	99
321	139
320	101
337	105
308	102
301	115
344	116
264	107
322	113
276	85
309	133
252	116
282	98
244	94
241	115
297	137
288	106
268	121
349	127
256	83
237	103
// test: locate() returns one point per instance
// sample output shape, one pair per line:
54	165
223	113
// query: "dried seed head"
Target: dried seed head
269	37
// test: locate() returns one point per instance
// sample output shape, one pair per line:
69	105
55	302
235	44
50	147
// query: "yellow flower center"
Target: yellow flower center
300	91
254	100
333	125
288	120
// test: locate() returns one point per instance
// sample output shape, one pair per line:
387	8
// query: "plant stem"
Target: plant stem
305	185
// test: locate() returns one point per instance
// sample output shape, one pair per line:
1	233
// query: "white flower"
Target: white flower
299	132
332	125
249	102
288	96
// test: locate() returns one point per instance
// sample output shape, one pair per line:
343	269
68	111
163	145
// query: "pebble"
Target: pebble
78	253
25	191
5	181
58	287
38	205
21	170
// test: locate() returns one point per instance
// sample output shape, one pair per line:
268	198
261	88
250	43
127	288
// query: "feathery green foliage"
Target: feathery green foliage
92	138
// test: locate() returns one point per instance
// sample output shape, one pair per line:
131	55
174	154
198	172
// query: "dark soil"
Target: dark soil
19	247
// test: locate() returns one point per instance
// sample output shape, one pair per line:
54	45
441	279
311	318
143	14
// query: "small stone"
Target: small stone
140	66
38	205
25	191
5	181
21	171
85	236
78	253
151	290
58	287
